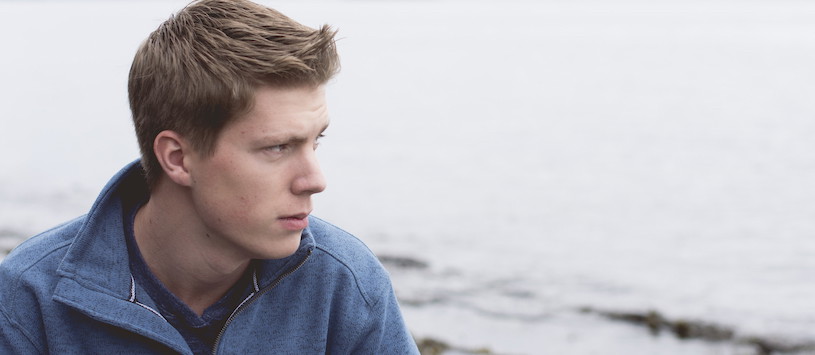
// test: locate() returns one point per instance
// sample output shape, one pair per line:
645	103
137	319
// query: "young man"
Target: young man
207	246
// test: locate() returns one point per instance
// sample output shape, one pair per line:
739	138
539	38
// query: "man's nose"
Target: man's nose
310	179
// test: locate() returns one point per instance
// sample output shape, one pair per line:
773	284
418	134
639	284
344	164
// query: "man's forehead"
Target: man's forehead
286	108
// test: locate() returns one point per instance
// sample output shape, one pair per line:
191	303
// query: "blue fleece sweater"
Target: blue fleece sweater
69	291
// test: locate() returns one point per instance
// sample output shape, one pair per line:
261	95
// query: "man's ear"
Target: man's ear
173	153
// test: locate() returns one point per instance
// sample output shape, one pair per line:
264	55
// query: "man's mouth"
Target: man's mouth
295	222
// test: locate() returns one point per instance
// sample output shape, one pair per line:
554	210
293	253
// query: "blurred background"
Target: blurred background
548	177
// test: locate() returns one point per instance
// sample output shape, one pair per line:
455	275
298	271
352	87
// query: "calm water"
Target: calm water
538	157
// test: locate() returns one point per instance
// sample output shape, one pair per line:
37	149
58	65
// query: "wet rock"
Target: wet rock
766	346
431	346
423	301
656	323
402	262
691	329
684	329
651	319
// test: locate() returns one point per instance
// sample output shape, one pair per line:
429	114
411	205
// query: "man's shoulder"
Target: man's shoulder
341	244
346	251
40	255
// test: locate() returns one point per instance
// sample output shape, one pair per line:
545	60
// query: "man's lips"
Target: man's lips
295	222
298	215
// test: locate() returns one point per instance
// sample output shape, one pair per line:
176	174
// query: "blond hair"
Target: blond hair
199	70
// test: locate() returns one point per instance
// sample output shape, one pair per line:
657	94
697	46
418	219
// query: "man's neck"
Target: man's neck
177	253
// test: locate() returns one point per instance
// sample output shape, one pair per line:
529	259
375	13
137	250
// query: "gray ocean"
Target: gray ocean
540	177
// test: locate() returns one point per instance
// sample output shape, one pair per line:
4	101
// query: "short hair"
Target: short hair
199	70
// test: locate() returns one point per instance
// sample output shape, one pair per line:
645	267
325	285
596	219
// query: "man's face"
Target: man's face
253	194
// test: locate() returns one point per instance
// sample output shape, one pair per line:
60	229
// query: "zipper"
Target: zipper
132	299
254	297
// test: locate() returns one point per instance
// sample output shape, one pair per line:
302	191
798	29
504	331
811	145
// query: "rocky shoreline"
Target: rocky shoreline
652	321
686	329
656	324
431	346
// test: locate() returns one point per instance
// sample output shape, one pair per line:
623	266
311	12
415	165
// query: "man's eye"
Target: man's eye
317	141
275	148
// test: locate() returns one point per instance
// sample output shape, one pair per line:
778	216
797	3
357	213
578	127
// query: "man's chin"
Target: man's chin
281	248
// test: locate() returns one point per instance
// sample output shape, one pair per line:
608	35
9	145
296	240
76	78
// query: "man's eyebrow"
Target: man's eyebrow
288	138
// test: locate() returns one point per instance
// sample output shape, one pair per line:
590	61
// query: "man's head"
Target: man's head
200	69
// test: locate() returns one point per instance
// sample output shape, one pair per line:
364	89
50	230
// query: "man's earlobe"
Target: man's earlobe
171	150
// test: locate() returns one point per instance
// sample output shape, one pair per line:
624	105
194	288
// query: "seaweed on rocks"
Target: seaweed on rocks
402	262
431	346
766	346
694	329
